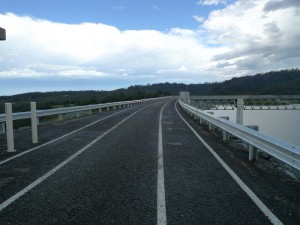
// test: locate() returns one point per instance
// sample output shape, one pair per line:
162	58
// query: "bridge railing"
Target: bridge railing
58	111
6	120
283	151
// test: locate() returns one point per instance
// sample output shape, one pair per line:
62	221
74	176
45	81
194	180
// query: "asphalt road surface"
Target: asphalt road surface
141	165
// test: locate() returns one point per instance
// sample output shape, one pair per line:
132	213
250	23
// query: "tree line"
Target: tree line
284	82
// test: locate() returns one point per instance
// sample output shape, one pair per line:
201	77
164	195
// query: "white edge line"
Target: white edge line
268	213
57	139
52	171
161	199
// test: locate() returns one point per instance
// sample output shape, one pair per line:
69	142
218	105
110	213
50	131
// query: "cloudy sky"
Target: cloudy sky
109	44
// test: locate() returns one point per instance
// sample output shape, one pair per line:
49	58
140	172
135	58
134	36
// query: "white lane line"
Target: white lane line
57	139
48	174
268	213
161	199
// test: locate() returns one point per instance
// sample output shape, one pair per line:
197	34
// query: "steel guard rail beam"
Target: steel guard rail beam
283	151
49	112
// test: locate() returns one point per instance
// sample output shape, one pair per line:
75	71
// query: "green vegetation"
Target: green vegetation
58	99
285	82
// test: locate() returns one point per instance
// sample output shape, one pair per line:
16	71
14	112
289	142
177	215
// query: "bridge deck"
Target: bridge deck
106	173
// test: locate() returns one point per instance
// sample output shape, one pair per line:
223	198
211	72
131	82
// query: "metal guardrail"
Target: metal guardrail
34	115
283	151
57	111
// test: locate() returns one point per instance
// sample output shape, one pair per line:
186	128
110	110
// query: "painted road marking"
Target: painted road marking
161	198
48	174
57	139
238	180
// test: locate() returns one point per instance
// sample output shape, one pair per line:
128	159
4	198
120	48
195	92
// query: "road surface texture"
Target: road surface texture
143	165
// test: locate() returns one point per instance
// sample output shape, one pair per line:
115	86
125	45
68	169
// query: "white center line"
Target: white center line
161	199
49	173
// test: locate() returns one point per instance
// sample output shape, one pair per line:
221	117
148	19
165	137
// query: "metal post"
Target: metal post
34	130
60	117
2	34
107	108
239	110
90	112
225	133
100	110
201	120
210	126
225	136
253	153
3	128
9	128
77	114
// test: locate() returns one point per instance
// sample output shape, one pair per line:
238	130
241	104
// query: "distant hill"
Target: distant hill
284	82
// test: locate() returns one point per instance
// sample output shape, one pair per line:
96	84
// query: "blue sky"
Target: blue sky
109	44
124	14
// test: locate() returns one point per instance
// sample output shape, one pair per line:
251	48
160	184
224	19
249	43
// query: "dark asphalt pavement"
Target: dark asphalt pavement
114	180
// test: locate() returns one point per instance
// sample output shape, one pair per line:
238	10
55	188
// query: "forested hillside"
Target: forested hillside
286	82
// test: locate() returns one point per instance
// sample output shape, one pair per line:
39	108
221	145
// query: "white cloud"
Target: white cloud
119	7
245	37
83	50
281	4
211	2
155	7
199	18
259	40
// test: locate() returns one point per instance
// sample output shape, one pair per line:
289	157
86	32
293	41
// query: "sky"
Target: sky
57	45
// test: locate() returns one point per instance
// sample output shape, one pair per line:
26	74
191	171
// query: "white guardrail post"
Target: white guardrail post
239	110
34	119
9	128
8	117
253	153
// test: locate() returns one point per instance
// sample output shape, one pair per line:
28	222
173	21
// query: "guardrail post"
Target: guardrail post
3	128
210	126
77	114
201	120
100	110
60	117
239	110
34	130
225	136
225	133
9	128
90	112
253	153
107	108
